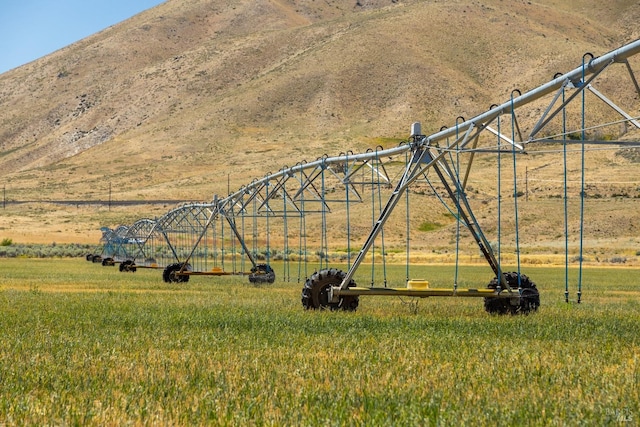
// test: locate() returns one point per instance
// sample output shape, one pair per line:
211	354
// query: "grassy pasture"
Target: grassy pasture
85	344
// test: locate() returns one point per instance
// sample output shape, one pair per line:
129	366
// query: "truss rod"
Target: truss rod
614	106
633	76
232	224
412	172
594	66
580	85
213	215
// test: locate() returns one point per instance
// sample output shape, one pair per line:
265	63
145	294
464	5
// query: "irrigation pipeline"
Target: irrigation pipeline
165	202
593	68
304	188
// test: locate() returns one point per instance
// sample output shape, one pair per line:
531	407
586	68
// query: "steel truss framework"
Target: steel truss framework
293	208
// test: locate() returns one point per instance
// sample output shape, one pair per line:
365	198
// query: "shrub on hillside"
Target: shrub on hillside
71	250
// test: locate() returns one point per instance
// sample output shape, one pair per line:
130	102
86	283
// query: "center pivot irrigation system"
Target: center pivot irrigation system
291	215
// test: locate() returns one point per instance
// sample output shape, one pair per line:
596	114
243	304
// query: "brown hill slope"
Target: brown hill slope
172	102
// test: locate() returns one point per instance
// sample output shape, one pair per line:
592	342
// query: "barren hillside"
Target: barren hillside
187	98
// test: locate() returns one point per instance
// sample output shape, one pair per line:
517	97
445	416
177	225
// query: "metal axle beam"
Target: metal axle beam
335	293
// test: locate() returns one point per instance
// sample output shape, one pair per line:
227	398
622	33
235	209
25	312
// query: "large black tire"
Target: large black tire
169	274
96	258
89	257
262	273
108	262
315	293
528	302
128	266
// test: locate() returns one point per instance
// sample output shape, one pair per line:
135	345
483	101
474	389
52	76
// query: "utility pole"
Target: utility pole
526	183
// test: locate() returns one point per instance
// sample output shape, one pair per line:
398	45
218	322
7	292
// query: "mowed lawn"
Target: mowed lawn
82	344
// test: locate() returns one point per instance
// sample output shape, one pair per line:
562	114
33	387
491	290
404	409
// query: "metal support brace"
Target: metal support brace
464	209
541	124
633	76
213	215
408	176
614	106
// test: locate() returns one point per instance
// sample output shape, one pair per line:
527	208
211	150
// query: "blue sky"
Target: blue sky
30	29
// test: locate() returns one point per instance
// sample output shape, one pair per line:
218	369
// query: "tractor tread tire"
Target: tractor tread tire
169	273
262	273
527	302
315	293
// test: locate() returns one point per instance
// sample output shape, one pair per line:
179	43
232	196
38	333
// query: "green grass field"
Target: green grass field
82	344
